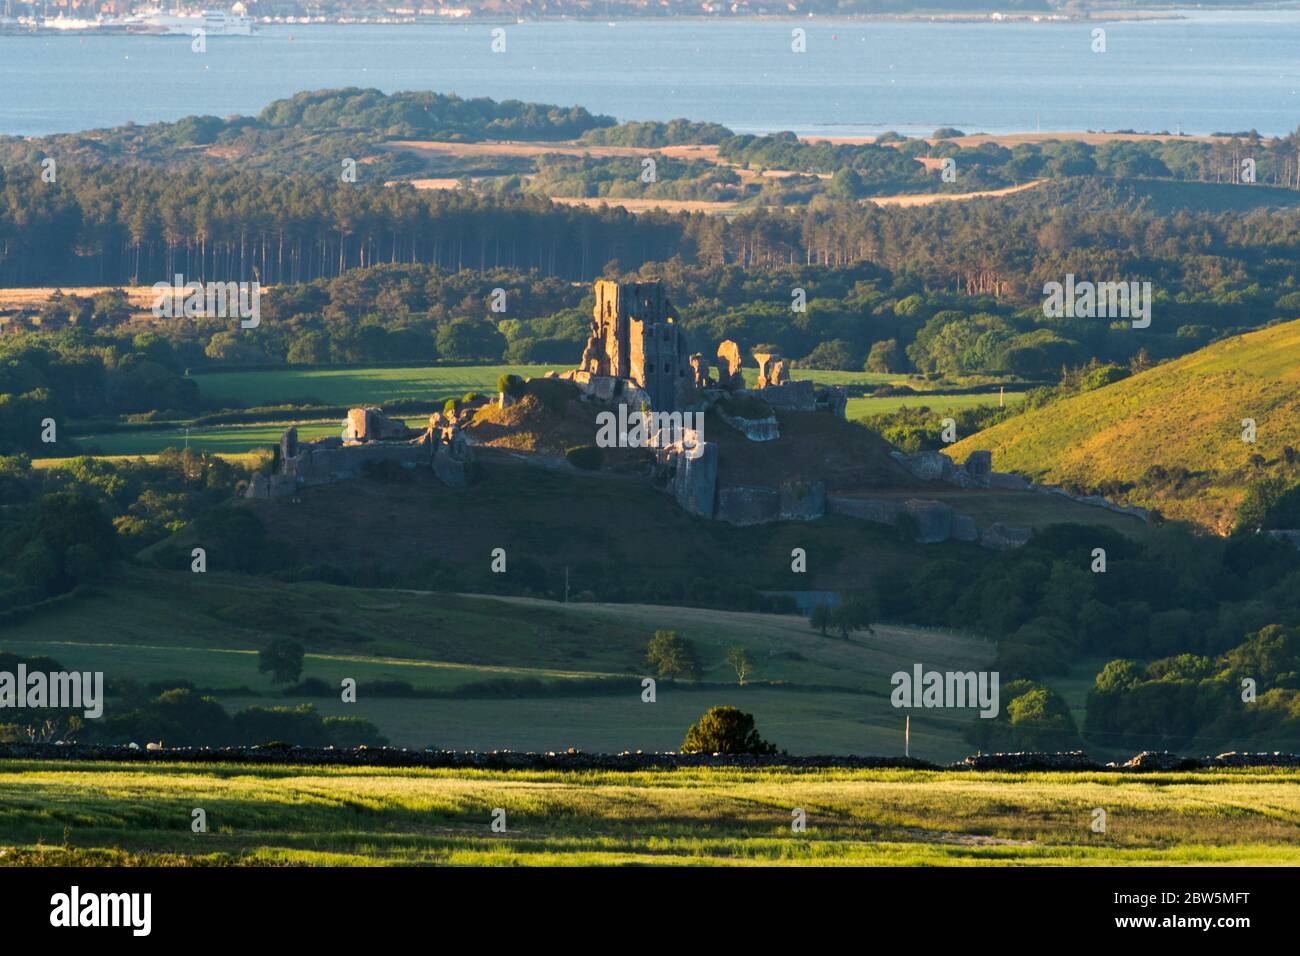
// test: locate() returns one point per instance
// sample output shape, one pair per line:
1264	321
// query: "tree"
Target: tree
670	655
820	617
845	185
835	354
738	658
885	356
853	612
470	339
1270	655
725	730
283	659
1263	497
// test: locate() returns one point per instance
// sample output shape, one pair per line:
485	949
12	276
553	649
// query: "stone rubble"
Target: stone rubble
572	759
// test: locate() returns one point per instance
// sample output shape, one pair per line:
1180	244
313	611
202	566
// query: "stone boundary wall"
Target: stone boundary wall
933	521
977	472
578	760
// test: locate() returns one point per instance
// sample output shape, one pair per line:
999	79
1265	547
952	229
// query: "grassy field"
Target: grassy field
225	440
53	813
936	401
810	694
343	386
354	386
1185	413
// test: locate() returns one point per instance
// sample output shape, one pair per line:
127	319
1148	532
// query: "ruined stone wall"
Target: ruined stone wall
634	336
441	447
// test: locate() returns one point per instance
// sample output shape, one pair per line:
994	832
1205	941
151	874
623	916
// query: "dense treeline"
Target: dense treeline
312	132
121	225
1204	611
653	135
1249	693
891	162
352	132
1180	591
947	291
623	177
111	225
65	527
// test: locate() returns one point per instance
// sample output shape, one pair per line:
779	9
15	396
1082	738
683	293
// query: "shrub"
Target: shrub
586	457
512	385
725	730
353	732
311	687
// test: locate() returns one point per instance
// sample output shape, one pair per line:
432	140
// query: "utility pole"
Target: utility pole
566	584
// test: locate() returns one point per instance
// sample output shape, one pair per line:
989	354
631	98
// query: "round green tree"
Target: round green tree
725	730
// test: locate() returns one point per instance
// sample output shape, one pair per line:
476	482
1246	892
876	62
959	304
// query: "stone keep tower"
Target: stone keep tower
635	336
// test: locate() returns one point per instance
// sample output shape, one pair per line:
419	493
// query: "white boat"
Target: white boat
69	23
214	23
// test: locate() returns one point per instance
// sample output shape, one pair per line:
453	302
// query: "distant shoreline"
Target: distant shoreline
991	15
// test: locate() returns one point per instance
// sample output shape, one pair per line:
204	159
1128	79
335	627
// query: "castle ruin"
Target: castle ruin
637	355
635	341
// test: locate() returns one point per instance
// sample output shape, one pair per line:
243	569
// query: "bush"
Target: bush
311	687
1033	717
511	385
725	730
353	732
586	457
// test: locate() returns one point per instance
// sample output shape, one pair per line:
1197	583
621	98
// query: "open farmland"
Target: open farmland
129	814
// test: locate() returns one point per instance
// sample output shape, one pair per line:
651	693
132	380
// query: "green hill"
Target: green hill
1171	437
487	673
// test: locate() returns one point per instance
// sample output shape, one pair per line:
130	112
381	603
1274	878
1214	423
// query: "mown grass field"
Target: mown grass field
935	401
1185	413
808	693
53	813
354	386
225	440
